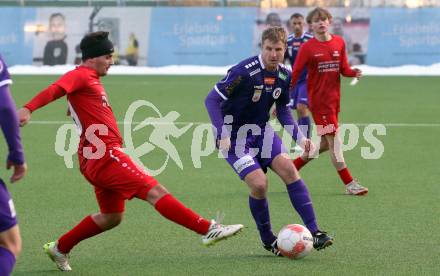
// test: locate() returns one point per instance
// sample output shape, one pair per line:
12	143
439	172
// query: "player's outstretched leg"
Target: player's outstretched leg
218	232
171	208
60	259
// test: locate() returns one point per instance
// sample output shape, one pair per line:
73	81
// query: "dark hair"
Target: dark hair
95	44
57	14
273	19
296	15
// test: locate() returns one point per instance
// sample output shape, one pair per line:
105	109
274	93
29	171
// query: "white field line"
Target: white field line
202	123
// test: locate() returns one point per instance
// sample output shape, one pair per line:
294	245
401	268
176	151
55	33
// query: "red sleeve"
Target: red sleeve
46	96
72	81
346	70
300	62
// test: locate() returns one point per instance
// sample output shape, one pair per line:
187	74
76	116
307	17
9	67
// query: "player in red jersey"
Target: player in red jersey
113	173
326	59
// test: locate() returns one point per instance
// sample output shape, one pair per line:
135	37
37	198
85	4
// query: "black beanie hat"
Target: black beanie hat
95	44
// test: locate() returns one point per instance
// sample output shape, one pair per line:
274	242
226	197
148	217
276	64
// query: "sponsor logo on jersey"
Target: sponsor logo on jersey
276	93
256	71
282	76
296	43
249	65
243	163
257	95
258	89
318	55
269	81
336	54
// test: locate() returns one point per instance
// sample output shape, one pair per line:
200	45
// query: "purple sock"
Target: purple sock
7	261
301	201
304	124
260	212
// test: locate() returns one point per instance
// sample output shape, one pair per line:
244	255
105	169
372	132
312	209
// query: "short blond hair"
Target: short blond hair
274	34
319	13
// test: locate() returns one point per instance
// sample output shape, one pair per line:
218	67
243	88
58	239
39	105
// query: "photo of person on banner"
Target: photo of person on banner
55	51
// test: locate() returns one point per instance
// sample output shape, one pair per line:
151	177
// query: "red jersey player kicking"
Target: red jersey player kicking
325	58
113	174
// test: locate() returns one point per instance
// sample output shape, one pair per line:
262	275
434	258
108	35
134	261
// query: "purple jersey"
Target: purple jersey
250	91
5	78
7	211
8	117
293	45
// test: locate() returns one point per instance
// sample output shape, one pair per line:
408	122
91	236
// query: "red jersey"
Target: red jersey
325	62
88	105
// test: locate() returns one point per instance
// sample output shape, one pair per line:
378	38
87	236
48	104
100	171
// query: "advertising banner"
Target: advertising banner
58	32
200	36
404	36
15	45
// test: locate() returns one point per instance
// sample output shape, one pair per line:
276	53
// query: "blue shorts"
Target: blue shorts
299	95
7	210
254	152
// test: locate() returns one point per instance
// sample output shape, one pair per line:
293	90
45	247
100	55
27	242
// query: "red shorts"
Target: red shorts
326	124
116	178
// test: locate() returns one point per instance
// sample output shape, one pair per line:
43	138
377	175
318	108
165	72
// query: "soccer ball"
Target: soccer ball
295	241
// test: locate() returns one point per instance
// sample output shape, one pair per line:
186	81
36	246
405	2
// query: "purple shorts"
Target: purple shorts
7	210
299	95
254	151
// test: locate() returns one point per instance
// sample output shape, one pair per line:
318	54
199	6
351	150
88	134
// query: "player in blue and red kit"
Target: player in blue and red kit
239	107
113	174
325	58
10	240
298	94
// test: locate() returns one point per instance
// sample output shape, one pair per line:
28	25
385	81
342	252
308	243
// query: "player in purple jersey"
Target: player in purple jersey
10	240
298	94
239	107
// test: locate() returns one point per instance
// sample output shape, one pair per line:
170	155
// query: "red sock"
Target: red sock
174	210
345	176
299	163
85	229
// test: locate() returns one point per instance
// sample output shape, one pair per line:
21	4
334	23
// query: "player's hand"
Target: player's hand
358	73
224	144
24	116
19	170
307	145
